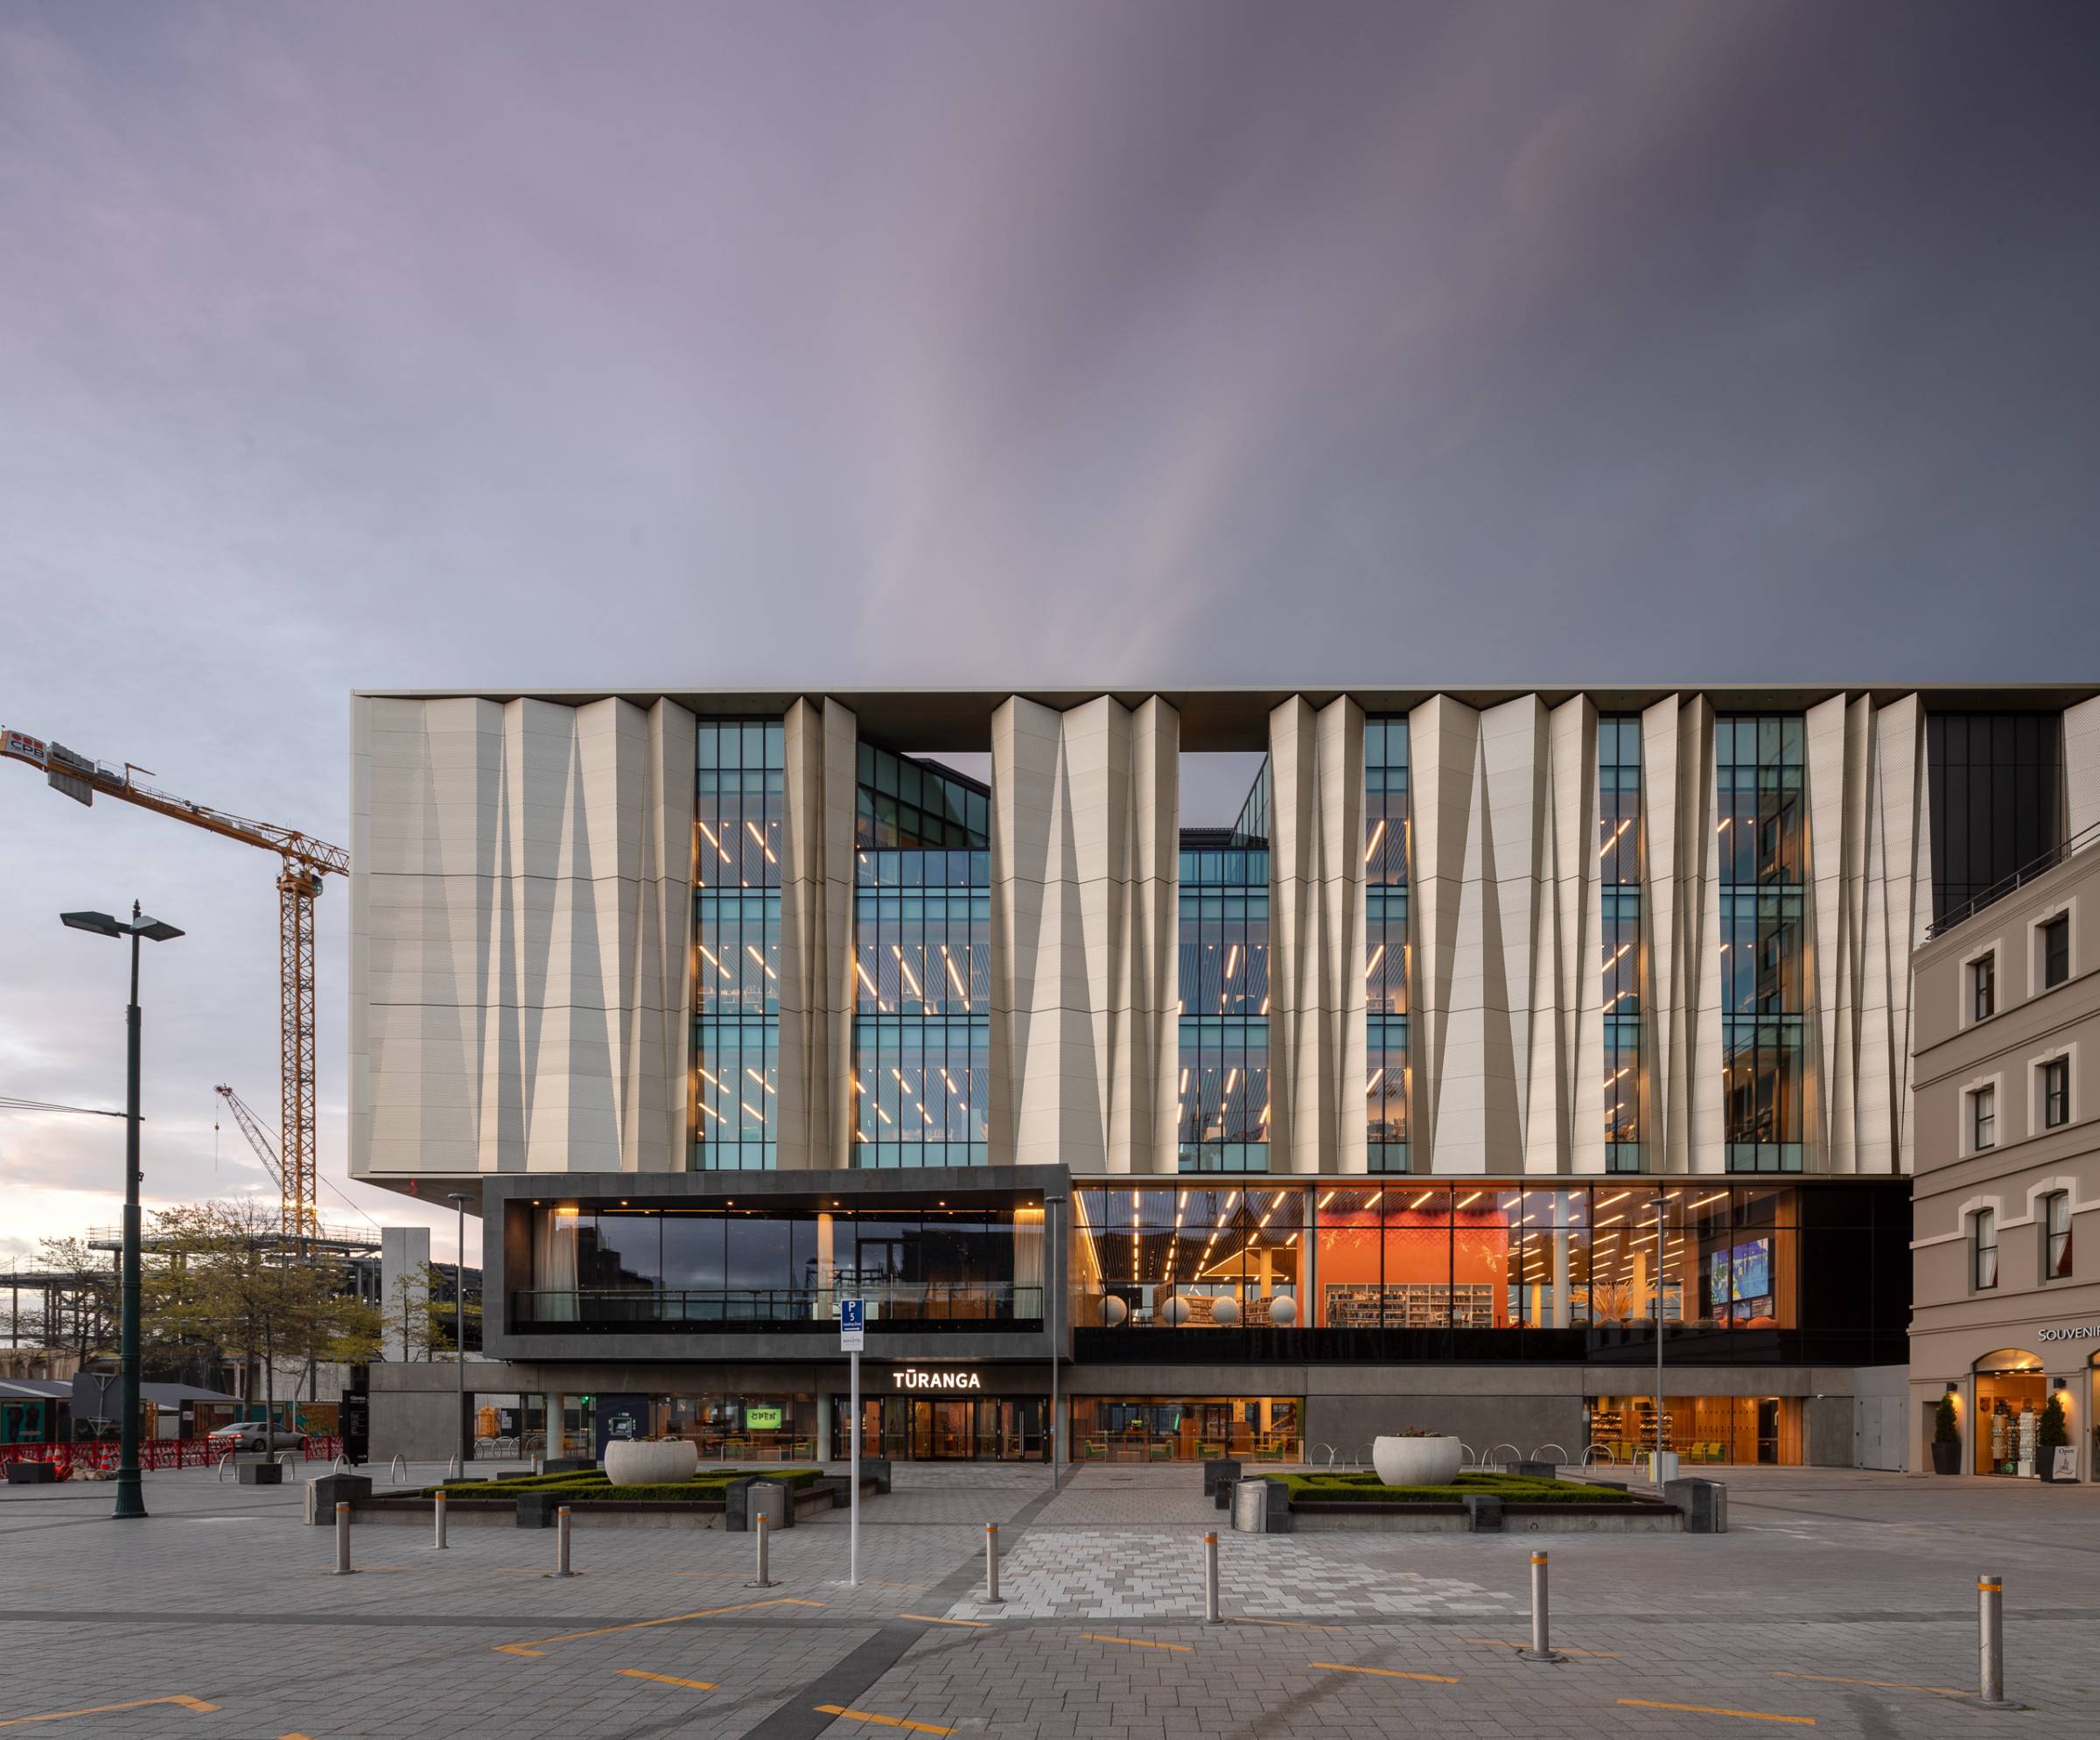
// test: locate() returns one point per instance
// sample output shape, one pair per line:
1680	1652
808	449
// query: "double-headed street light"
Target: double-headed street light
130	1499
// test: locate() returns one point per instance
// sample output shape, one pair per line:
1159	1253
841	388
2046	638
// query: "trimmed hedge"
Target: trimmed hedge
1511	1489
589	1486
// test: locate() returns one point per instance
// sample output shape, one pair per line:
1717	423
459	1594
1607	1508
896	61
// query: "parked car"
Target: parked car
252	1434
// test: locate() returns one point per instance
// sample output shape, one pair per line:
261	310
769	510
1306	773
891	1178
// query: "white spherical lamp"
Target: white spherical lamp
1113	1311
1225	1313
1283	1312
1174	1313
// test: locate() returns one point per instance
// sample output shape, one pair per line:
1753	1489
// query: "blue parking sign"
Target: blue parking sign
852	1324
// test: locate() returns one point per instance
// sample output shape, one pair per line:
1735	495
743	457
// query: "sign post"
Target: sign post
852	1331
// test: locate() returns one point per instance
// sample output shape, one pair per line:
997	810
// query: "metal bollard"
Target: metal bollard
763	1527
1990	1643
1541	1646
342	1538
438	1512
561	1543
991	1565
1210	1579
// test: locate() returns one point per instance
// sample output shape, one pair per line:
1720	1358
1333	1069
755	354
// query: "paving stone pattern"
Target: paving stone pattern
1830	1580
1148	1574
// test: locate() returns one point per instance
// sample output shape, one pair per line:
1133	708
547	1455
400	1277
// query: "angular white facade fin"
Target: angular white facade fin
1867	854
526	873
2081	768
1085	809
1316	948
820	750
1564	1114
1445	1039
1681	1019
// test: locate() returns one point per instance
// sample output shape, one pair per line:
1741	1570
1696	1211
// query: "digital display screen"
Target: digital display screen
762	1419
1743	1274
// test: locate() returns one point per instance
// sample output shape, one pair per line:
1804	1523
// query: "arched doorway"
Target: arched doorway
2010	1391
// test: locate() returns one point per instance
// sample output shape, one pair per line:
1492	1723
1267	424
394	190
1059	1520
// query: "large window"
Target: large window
2055	1092
1983	1119
1983	1249
2056	1236
921	966
1387	838
2056	951
736	957
596	1266
1762	851
1983	987
1222	1087
1996	799
1623	947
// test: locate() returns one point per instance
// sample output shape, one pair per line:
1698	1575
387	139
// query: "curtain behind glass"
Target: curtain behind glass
554	1264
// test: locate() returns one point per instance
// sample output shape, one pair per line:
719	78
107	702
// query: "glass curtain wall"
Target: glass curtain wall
1762	853
1996	783
1620	871
921	965
597	1265
1387	839
1221	1092
1457	1256
737	958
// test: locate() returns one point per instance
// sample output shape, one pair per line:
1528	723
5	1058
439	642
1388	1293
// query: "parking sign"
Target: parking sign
852	1324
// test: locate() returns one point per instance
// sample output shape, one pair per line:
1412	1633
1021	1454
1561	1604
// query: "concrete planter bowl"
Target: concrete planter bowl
636	1461
1416	1462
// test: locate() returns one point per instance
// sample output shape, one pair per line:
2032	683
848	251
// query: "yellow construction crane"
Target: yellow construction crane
305	861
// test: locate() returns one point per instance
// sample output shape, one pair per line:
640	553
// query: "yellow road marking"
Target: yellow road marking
934	1619
1131	1643
1505	1643
1388	1672
886	1721
1709	1709
1885	1685
182	1698
671	1680
530	1647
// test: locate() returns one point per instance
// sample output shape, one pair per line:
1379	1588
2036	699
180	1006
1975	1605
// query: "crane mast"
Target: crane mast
304	860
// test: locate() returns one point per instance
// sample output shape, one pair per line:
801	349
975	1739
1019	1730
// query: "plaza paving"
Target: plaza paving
1840	1600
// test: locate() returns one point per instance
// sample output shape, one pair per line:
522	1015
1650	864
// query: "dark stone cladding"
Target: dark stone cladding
505	1235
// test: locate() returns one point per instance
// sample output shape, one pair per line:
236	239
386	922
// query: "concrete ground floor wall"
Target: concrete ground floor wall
415	1410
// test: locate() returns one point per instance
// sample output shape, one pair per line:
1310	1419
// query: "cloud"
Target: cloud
526	344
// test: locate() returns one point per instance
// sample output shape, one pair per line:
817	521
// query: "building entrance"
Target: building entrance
981	1428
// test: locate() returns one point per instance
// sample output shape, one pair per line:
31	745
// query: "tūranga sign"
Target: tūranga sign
954	1378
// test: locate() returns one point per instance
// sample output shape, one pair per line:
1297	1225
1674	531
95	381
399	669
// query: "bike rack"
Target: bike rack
1610	1461
398	1468
1467	1451
284	1460
1538	1455
1515	1455
341	1465
225	1462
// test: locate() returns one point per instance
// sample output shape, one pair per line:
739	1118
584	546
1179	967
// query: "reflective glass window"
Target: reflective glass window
1388	838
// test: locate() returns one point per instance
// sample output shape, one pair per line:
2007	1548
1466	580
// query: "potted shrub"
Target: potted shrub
2054	1437
1946	1439
1417	1457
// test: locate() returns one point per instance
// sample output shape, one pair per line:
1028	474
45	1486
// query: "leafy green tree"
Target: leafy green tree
225	1277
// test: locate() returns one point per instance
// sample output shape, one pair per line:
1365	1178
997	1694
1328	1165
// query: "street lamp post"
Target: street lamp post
1053	1285
458	1201
130	1495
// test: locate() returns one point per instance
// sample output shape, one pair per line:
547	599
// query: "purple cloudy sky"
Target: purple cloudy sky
394	344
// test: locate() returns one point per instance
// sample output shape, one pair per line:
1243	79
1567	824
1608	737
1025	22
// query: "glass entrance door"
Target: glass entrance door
941	1431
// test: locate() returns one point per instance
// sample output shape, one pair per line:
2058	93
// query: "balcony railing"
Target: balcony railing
2026	872
894	1305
